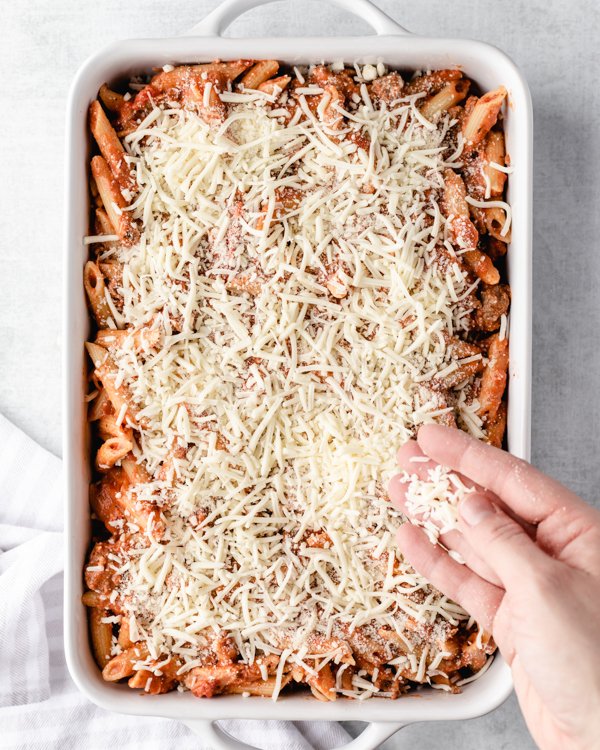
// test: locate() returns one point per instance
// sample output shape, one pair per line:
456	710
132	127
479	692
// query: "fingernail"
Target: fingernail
475	508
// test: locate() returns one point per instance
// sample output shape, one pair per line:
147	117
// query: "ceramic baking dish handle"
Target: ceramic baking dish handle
214	25
217	739
227	11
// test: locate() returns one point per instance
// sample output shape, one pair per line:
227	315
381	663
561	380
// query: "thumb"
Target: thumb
498	539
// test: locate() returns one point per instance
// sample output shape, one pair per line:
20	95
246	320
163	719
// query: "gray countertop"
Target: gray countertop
42	43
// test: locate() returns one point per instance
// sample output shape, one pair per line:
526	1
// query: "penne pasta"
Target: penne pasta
112	451
124	637
195	86
431	83
495	221
322	685
123	665
454	198
94	599
496	426
462	350
143	339
286	200
119	395
113	201
103	225
259	73
495	153
482	116
477	216
102	577
328	108
101	636
111	338
121	497
204	96
274	86
181	77
113	101
105	498
456	209
493	380
151	683
110	146
135	472
452	93
461	374
261	688
97	353
99	407
115	499
482	266
95	288
244	284
336	285
112	271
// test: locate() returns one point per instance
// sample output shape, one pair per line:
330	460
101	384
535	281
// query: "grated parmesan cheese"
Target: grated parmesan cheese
432	502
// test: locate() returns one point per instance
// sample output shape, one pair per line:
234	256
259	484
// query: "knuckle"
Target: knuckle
503	531
471	454
543	580
514	475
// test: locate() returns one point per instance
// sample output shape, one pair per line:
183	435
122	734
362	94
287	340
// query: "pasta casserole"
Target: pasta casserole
291	270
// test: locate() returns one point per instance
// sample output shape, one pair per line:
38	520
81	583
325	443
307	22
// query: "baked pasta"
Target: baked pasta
291	270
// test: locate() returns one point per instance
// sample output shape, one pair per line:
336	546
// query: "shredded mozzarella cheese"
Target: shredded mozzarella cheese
432	502
301	343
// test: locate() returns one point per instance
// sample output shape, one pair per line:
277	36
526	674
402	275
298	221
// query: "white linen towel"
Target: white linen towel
40	707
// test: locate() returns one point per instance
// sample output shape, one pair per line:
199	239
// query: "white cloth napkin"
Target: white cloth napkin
40	707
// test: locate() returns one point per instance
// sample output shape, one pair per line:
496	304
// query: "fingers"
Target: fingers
572	537
525	490
412	459
480	598
500	541
453	540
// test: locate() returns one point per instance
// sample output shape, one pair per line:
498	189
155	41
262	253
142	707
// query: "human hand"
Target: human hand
532	578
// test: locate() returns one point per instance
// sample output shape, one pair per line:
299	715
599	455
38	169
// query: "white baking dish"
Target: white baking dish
488	67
